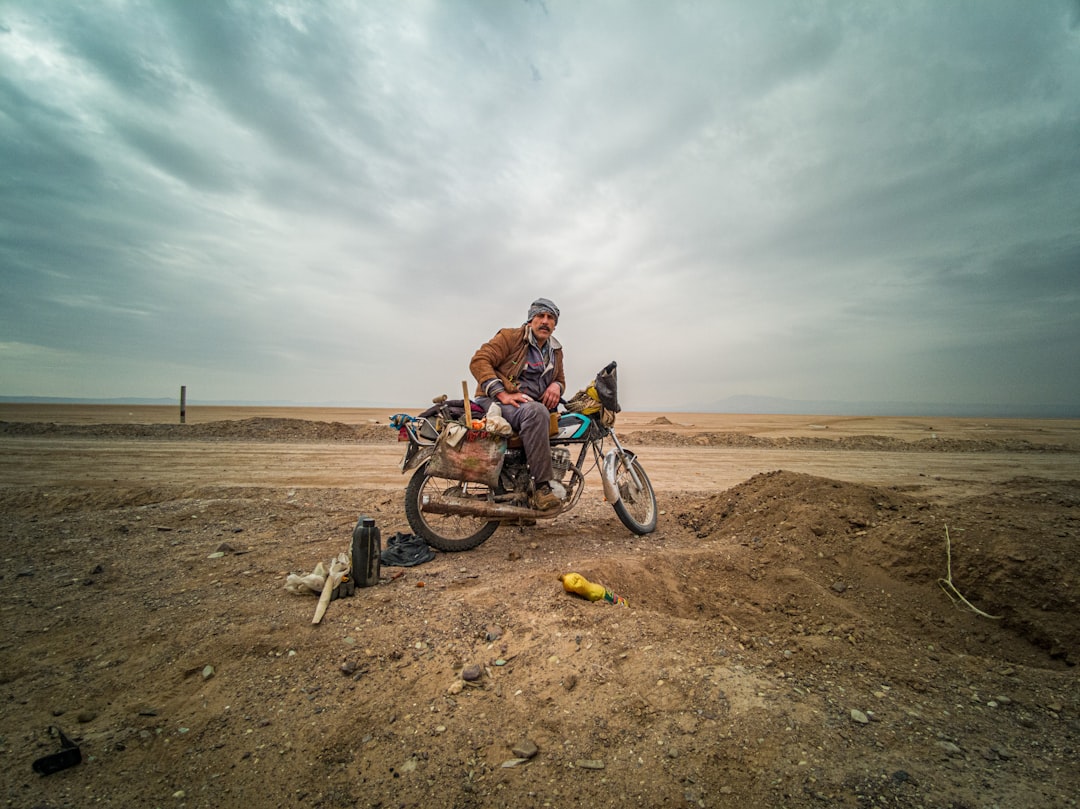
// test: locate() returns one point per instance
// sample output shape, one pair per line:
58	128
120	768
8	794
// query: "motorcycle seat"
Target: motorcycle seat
515	442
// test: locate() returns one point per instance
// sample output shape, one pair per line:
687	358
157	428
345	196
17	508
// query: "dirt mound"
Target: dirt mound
865	443
873	544
252	429
270	429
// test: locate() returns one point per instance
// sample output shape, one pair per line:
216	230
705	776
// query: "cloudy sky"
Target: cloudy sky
339	201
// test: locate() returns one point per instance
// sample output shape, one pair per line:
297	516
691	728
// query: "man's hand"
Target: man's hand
515	399
551	396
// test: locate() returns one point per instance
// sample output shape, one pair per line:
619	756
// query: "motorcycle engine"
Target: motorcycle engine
560	462
515	471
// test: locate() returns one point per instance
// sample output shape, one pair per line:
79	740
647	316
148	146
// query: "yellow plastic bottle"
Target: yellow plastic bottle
576	583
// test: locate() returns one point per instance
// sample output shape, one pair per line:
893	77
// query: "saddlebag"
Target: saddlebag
477	457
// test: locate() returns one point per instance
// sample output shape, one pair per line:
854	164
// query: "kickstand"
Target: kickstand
69	755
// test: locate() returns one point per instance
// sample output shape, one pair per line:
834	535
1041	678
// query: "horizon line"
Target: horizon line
748	405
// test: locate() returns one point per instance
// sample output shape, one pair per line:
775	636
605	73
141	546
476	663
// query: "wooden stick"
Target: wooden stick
338	569
468	406
324	599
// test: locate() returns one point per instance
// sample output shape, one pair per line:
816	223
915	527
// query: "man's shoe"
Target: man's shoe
545	499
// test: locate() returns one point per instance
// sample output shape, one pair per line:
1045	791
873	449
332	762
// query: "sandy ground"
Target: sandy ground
788	639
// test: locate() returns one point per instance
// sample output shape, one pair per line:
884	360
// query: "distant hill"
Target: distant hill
777	406
130	400
174	401
765	405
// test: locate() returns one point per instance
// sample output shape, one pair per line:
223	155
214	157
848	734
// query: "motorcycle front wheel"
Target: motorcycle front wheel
636	507
446	532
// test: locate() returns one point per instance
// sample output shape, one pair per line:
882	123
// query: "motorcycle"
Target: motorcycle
466	482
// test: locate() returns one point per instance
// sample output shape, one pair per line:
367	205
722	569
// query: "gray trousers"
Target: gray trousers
531	421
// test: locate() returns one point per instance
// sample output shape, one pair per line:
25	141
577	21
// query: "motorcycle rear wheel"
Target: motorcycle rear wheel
637	511
445	532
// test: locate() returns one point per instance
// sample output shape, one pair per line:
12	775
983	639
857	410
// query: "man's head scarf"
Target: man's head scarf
543	305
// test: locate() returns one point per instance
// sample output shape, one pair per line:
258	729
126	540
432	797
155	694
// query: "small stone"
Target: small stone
525	749
471	673
207	672
950	748
589	764
216	555
859	716
348	667
493	633
512	762
839	587
456	687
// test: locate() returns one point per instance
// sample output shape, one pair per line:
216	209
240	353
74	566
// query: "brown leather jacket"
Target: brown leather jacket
503	356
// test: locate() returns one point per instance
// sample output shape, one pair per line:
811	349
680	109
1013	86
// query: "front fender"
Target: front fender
607	476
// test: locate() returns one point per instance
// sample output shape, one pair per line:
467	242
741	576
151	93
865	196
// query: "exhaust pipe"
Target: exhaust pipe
493	511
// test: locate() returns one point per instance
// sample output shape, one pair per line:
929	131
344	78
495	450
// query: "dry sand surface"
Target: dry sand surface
787	639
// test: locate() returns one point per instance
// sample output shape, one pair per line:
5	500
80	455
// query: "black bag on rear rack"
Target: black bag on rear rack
607	388
600	399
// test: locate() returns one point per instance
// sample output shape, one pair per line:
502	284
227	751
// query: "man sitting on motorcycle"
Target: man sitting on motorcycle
522	369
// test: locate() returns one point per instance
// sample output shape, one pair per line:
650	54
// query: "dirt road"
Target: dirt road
103	462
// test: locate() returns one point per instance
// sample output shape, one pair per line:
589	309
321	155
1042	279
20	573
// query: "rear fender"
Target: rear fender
414	456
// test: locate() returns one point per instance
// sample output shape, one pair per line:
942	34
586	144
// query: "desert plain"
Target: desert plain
854	612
